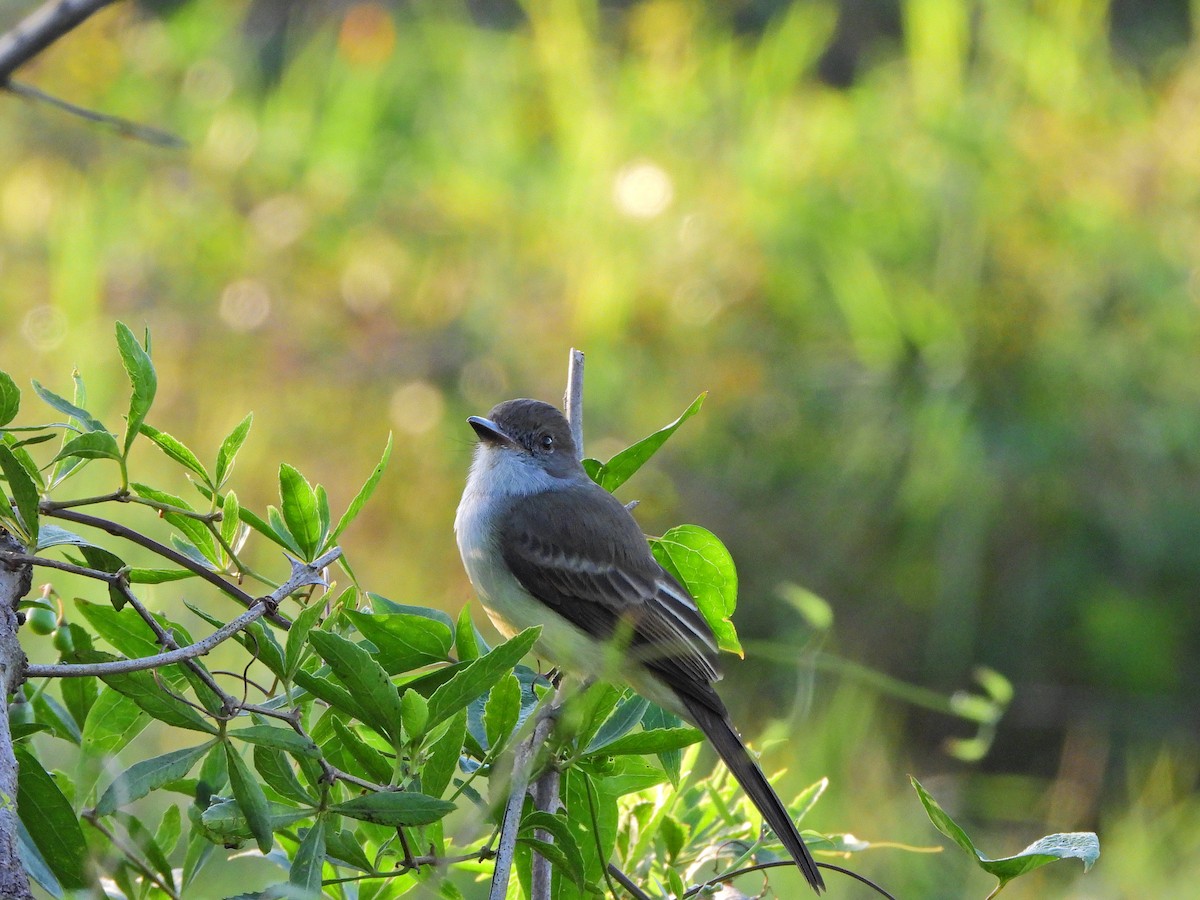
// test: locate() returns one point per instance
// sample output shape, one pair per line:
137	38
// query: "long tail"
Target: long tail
725	740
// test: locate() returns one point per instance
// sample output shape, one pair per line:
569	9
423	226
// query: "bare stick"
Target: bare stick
522	763
40	29
302	575
15	582
573	399
136	537
146	133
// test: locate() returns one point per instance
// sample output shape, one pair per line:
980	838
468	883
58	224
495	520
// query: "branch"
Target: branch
302	574
40	29
511	823
15	582
573	399
186	562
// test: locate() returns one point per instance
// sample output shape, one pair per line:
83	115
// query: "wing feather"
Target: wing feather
604	586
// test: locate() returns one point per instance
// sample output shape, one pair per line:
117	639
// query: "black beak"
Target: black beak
489	432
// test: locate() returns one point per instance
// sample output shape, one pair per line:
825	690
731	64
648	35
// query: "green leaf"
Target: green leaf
479	676
142	379
298	636
622	720
251	799
345	847
54	714
169	830
696	557
395	808
405	642
566	854
10	400
227	819
382	604
277	773
614	473
142	689
230	517
300	511
144	841
443	755
112	722
331	692
191	528
90	445
658	740
279	738
24	493
374	764
414	714
158	576
466	642
309	860
51	822
278	527
67	408
1082	845
502	710
229	450
364	493
364	678
177	450
148	775
124	629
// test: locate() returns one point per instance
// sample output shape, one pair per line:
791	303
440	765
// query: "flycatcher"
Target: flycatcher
545	545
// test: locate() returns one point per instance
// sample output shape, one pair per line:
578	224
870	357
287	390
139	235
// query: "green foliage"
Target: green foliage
1084	846
373	737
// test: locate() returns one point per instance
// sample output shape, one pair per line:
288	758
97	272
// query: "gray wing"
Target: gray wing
611	588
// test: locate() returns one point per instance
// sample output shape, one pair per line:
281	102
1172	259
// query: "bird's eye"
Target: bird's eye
547	442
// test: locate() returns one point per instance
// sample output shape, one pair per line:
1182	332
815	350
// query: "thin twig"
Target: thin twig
510	824
626	882
147	133
258	610
728	876
40	29
573	399
185	562
131	857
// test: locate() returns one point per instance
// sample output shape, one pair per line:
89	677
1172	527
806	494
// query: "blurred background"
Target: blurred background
936	263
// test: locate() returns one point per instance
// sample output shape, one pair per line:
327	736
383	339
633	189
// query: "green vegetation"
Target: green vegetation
946	317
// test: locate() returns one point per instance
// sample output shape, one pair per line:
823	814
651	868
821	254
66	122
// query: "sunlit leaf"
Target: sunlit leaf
658	740
24	493
474	680
614	473
364	678
1083	846
10	399
404	641
700	561
66	407
364	493
300	510
177	450
142	379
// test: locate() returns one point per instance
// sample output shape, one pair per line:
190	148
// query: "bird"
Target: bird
545	545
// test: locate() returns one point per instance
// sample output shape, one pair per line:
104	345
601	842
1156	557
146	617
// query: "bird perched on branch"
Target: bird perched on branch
545	545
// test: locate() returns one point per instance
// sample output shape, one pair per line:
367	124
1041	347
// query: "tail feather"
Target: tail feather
718	729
